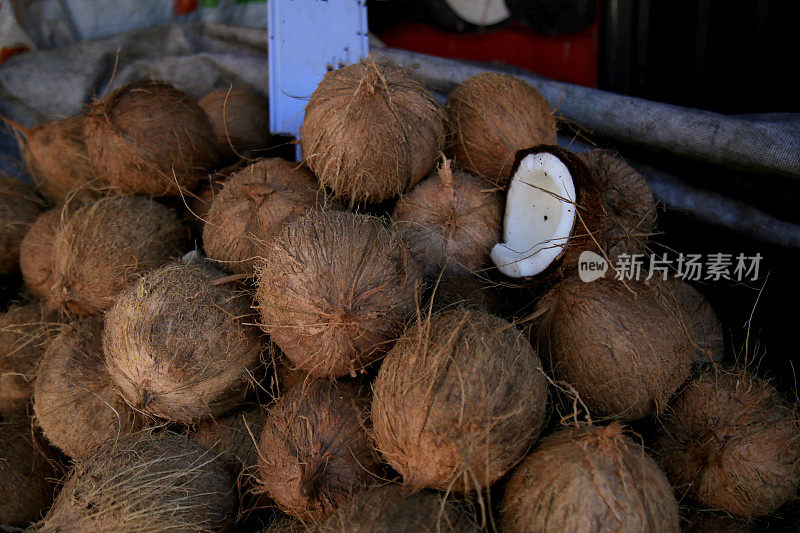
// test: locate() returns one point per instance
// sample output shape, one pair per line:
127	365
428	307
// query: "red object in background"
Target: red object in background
5	53
182	7
571	58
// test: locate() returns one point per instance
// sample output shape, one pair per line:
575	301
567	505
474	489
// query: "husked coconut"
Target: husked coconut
371	131
458	401
19	207
240	119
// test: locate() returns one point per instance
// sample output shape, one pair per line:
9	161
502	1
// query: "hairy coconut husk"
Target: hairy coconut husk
25	332
19	207
255	204
451	221
700	321
622	349
589	479
75	401
493	116
177	346
730	442
234	437
314	451
240	118
458	401
108	244
371	132
390	509
450	293
712	522
335	290
199	204
150	138
26	476
146	482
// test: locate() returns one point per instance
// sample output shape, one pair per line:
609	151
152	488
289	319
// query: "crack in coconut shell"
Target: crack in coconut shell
255	204
150	138
107	245
492	117
618	344
75	401
335	290
314	451
589	479
458	401
20	205
177	345
451	221
371	132
146	482
730	442
240	119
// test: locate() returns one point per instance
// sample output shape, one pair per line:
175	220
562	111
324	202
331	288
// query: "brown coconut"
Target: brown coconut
107	245
240	119
458	401
371	132
493	116
177	345
334	290
699	320
25	333
730	442
27	478
19	207
234	438
314	451
622	349
451	220
390	509
253	207
451	293
712	522
589	479
150	138
145	482
75	402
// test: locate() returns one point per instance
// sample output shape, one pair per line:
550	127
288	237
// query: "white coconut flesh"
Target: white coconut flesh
540	214
480	12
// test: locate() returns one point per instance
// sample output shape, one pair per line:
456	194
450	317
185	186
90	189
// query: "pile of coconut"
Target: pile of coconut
389	335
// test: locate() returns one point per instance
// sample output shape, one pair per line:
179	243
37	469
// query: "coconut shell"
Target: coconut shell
75	401
731	443
314	451
253	207
145	482
240	119
335	290
492	117
150	138
451	221
623	333
390	509
177	346
25	332
589	479
107	245
27	479
20	205
458	401
371	132
451	293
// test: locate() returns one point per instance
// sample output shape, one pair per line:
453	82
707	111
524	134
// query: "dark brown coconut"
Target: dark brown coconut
493	116
199	204
618	345
253	207
450	293
314	451
371	132
25	332
711	522
19	207
75	401
335	290
589	479
150	138
458	401
145	482
240	119
699	320
451	220
106	245
177	346
234	438
27	479
730	442
390	509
